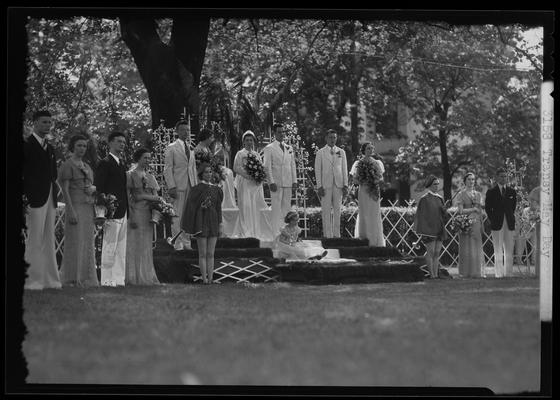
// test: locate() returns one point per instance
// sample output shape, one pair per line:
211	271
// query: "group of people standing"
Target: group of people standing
499	204
126	256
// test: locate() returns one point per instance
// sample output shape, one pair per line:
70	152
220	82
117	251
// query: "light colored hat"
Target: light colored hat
248	133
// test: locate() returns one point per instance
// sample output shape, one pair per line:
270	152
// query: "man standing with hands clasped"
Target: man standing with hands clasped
280	166
180	176
39	186
500	206
331	174
110	178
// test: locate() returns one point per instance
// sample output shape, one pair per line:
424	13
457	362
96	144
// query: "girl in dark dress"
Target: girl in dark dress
202	218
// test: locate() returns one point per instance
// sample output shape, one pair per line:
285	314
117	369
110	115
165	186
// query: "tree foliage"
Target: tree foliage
459	82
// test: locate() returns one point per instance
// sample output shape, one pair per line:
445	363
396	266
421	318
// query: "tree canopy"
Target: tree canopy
460	83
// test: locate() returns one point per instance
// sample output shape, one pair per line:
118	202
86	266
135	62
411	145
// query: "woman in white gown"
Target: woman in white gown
253	210
368	224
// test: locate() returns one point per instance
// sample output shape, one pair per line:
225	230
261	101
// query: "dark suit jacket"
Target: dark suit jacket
110	178
498	206
39	173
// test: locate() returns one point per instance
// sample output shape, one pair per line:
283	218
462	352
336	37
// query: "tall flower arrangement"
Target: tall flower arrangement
160	139
516	172
301	155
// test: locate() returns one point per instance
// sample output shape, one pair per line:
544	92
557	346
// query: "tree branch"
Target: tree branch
520	50
281	92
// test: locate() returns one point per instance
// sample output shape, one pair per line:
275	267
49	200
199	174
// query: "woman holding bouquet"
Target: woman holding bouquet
142	190
202	218
75	177
367	172
469	202
250	172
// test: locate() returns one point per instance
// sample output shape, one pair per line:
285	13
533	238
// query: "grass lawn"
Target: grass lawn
460	332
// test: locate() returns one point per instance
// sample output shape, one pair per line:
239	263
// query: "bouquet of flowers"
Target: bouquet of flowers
255	168
461	223
105	206
369	174
162	209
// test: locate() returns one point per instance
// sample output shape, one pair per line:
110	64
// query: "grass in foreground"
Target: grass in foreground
483	333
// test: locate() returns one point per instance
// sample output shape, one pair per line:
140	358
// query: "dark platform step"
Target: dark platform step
335	243
230	243
374	271
368	251
222	243
218	253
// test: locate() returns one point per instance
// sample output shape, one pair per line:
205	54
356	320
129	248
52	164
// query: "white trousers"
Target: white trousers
503	251
179	205
113	252
332	200
40	252
281	203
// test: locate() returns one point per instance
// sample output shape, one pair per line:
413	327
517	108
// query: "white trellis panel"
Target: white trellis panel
255	269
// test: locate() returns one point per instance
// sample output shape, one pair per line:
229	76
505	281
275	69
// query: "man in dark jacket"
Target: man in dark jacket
39	186
110	178
500	206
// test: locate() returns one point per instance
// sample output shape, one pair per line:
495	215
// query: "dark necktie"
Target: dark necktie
187	151
281	146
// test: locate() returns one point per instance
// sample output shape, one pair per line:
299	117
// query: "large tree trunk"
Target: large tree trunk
171	73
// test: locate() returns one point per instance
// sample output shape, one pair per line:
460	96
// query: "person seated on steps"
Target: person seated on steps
289	244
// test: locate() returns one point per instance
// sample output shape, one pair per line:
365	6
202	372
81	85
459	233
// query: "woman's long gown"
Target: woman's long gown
253	210
471	258
368	223
139	257
78	262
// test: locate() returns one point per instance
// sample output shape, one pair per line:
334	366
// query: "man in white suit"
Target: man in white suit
331	174
180	175
280	166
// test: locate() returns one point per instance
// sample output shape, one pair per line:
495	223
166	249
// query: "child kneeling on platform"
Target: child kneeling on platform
290	245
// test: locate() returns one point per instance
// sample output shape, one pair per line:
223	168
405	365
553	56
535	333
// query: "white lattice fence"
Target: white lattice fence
242	271
400	235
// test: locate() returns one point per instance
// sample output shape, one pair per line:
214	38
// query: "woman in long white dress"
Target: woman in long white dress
368	224
253	219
